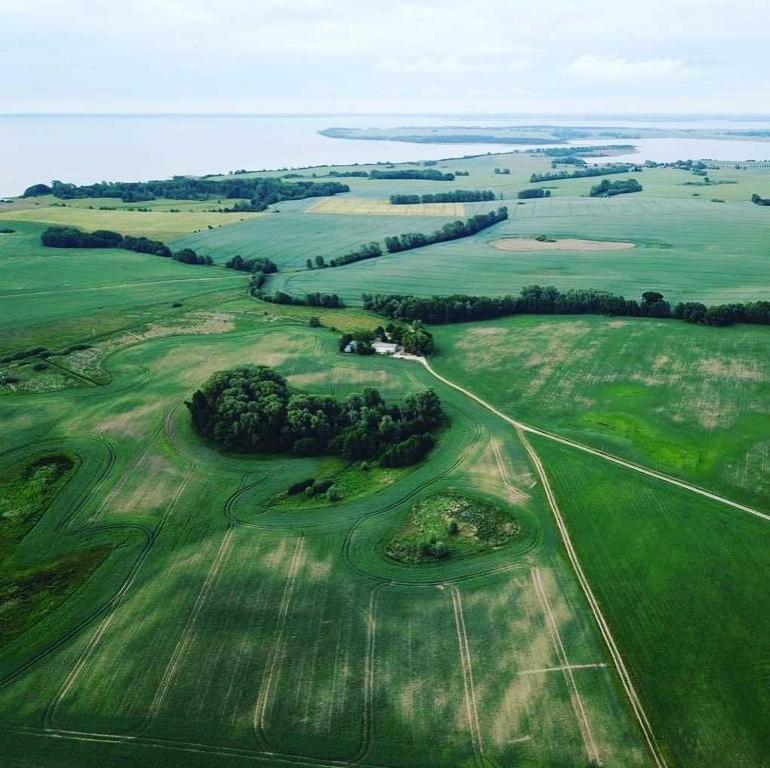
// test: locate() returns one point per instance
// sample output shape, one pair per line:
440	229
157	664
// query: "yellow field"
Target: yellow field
365	206
161	225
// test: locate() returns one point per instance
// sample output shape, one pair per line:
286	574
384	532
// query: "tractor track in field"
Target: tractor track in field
112	606
471	705
620	666
662	476
592	751
184	639
277	645
182	746
86	530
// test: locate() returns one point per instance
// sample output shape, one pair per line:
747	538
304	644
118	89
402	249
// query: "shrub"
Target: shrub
300	487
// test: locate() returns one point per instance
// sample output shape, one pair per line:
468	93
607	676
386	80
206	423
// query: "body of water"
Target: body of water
86	149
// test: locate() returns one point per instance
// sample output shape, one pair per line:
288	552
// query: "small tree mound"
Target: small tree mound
450	525
253	410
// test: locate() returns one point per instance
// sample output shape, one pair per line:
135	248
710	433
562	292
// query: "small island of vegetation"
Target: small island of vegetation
252	409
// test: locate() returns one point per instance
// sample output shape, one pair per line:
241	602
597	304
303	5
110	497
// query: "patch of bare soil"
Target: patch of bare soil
567	244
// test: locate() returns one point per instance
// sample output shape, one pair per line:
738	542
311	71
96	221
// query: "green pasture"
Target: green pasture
292	236
688	400
688	250
156	223
681	581
52	296
219	627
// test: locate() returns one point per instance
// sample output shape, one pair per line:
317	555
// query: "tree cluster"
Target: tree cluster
585	172
257	264
458	196
529	194
260	192
367	251
452	231
252	409
69	237
427	174
607	188
328	300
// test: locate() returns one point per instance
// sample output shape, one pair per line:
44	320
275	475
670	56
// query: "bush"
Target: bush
314	322
321	486
297	488
40	367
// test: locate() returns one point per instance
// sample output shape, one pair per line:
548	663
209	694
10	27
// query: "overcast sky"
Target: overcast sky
512	56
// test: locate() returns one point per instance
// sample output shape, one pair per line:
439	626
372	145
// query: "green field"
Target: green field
221	625
688	250
53	296
684	399
165	603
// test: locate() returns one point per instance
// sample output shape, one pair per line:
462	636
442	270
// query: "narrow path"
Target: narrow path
567	670
594	451
625	678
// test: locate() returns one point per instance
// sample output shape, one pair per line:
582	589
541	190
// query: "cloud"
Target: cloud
612	69
449	65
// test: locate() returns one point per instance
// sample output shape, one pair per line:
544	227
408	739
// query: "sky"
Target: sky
385	56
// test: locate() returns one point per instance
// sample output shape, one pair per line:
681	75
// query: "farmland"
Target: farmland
599	492
254	631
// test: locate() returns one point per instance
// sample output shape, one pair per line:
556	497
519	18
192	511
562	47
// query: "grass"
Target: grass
689	250
451	525
218	618
166	604
681	580
292	236
156	224
55	296
695	406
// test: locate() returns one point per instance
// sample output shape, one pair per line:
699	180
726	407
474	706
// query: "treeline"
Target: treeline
69	237
596	150
367	251
549	300
328	300
585	172
452	231
607	188
257	264
458	196
427	174
757	200
253	410
348	174
260	192
529	194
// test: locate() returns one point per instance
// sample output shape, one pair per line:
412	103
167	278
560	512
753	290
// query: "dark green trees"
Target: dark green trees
252	409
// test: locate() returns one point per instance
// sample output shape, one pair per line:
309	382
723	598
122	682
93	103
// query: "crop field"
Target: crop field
158	225
290	237
683	575
605	483
218	627
372	207
688	250
62	295
697	406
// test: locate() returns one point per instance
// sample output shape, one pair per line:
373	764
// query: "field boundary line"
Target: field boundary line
625	678
184	639
519	425
115	603
566	668
260	710
465	660
604	628
544	670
